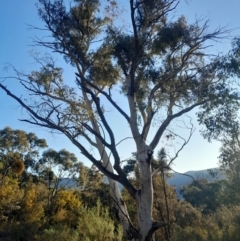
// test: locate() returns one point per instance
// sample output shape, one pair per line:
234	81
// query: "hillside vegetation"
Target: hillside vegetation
37	201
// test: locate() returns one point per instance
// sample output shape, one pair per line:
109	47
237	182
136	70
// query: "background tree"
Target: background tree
54	166
160	66
222	123
205	195
230	164
18	151
24	206
93	186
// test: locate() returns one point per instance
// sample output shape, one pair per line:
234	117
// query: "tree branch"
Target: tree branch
167	121
108	98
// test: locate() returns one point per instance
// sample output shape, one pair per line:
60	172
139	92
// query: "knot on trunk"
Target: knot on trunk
149	154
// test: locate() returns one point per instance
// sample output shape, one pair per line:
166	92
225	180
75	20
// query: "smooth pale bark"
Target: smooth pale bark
144	196
121	209
122	213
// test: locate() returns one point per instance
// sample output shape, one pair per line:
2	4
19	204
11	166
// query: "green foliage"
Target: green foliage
18	150
162	70
129	167
79	26
17	140
220	115
75	215
229	161
10	196
33	204
191	225
95	224
62	161
58	232
172	35
65	208
32	210
208	196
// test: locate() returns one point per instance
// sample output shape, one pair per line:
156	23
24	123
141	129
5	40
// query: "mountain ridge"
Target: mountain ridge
177	180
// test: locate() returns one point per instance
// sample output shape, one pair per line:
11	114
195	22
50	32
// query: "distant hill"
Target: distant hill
67	183
178	180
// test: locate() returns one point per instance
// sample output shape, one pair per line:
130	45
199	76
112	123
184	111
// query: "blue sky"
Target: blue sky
15	47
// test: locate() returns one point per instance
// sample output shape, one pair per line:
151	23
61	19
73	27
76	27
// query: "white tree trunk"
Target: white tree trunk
144	196
122	213
121	209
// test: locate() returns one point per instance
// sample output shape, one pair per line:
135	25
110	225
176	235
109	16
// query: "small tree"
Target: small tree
159	66
208	196
18	151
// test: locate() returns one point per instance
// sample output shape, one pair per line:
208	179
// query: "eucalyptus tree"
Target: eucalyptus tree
230	163
19	150
208	196
157	62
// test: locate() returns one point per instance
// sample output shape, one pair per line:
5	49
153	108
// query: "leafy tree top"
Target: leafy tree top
163	71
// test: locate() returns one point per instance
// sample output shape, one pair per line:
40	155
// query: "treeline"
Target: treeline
38	202
33	204
209	211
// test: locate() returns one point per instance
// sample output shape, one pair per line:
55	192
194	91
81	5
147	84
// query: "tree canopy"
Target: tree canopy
158	63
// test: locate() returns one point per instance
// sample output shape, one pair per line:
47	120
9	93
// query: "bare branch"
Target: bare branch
185	142
108	96
48	124
167	121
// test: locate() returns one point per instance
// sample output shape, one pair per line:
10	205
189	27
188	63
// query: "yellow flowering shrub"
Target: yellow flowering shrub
10	197
32	205
66	207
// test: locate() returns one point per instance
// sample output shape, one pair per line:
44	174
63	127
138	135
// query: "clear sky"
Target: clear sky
15	47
